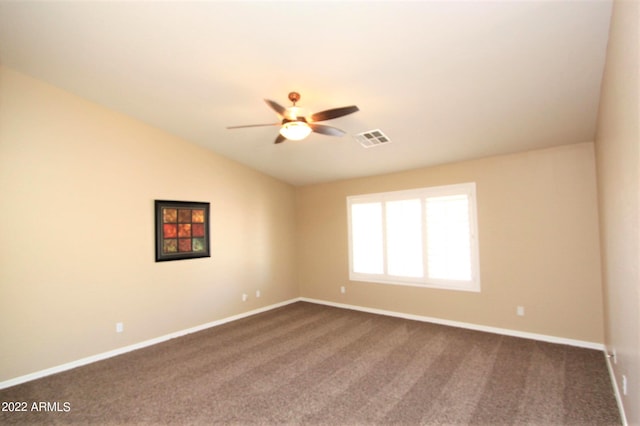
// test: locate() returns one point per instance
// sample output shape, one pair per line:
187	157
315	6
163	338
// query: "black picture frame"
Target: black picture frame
182	230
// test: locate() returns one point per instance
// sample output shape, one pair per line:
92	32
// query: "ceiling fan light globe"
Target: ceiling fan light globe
295	130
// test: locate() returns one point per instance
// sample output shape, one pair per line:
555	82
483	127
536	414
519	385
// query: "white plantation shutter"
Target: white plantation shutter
425	237
404	239
448	237
367	238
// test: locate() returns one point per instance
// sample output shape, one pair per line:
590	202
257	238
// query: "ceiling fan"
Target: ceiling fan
295	126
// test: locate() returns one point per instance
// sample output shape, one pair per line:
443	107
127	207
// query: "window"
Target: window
425	237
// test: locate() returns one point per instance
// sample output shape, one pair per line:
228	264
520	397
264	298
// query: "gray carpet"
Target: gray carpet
312	364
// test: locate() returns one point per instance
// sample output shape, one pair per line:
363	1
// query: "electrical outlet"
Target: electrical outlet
520	311
119	327
245	296
343	289
624	385
257	293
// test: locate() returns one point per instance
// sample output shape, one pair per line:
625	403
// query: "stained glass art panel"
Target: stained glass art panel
182	230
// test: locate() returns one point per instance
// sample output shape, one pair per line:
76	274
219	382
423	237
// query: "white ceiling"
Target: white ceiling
445	80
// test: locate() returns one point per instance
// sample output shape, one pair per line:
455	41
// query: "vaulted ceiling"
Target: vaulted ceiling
445	80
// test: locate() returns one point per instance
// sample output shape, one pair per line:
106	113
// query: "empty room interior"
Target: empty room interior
459	220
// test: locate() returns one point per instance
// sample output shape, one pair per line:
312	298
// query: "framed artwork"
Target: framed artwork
182	230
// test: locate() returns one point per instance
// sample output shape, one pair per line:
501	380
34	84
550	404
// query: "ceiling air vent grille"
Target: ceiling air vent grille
372	138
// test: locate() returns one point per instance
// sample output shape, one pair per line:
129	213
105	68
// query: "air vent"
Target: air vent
372	138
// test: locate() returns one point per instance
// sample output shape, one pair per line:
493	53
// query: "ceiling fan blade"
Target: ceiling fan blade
326	130
253	125
333	113
280	139
276	107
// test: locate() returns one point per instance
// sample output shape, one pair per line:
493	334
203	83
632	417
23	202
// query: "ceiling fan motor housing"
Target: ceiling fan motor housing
289	120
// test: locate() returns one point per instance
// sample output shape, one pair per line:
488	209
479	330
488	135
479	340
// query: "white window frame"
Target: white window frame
468	189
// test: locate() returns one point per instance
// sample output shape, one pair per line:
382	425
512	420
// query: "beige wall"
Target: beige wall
76	236
538	235
77	184
618	164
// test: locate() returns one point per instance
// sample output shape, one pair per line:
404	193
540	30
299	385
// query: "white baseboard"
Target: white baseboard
616	390
154	341
135	346
494	330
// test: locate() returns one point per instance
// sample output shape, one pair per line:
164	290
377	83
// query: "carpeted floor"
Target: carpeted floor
312	364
